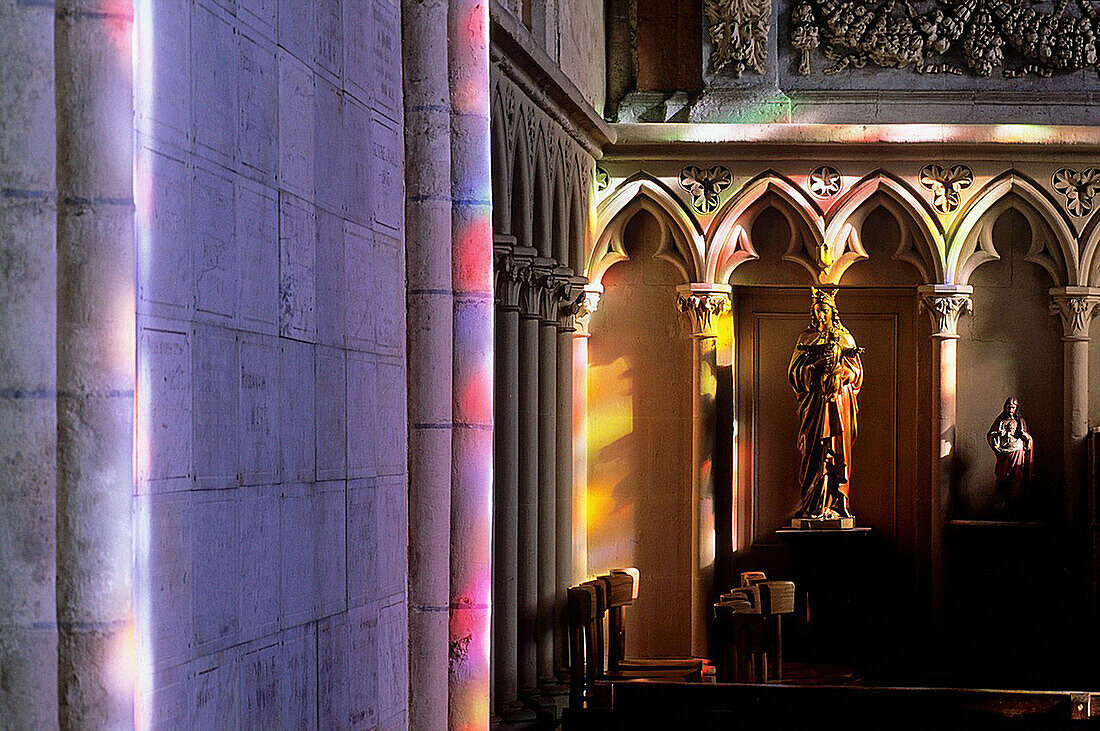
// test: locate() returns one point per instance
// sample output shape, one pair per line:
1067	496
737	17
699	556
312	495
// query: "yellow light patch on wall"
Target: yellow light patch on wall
610	420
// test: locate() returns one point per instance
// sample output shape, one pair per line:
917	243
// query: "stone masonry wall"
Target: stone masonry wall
270	501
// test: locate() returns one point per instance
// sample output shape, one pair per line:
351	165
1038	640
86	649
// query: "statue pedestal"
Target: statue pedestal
823	523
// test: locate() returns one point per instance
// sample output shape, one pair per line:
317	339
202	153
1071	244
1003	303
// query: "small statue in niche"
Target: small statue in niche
826	373
1009	439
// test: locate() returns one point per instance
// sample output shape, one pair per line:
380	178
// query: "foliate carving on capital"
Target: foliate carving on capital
1076	314
571	297
701	310
512	275
945	310
586	305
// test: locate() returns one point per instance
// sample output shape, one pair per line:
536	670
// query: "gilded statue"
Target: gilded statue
826	373
1009	439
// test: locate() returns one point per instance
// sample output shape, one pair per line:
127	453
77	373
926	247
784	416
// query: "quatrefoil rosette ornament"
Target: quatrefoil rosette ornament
1078	188
705	185
946	184
825	181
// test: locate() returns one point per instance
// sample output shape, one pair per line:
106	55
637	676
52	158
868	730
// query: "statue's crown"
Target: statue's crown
826	296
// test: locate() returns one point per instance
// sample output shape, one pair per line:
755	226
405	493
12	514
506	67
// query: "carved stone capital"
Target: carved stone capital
572	299
1076	306
534	299
945	303
700	305
586	305
512	268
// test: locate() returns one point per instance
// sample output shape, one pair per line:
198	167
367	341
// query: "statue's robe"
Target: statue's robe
827	423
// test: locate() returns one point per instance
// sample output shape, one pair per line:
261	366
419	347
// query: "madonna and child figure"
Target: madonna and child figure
826	373
1011	442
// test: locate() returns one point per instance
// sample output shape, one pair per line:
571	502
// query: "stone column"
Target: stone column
587	305
528	508
472	395
95	362
700	306
945	303
549	302
512	271
571	293
430	316
28	369
1075	306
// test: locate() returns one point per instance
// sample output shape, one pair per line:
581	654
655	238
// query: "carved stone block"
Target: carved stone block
363	424
387	173
163	569
297	267
363	540
298	579
330	278
258	581
360	191
164	406
331	414
298	678
388	294
215	700
329	40
214	68
296	411
330	524
329	154
261	695
387	422
259	409
296	112
163	235
385	63
215	566
215	385
259	108
359	76
257	214
215	244
360	273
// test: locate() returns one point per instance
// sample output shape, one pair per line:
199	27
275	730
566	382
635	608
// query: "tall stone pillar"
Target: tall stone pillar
28	368
430	328
528	507
472	396
95	362
512	271
944	303
1075	306
552	278
586	306
700	306
572	290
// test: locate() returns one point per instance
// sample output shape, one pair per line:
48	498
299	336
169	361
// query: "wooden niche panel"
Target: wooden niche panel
884	461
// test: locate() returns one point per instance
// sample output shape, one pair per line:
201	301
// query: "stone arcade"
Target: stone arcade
338	338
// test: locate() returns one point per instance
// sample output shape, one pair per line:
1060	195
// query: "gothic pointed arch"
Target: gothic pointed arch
519	200
1053	246
541	204
498	150
925	240
681	245
1089	266
728	245
578	225
559	231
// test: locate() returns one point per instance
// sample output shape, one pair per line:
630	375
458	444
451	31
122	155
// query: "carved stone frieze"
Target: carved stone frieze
935	36
739	32
945	305
705	185
1076	309
700	306
1079	189
825	181
945	184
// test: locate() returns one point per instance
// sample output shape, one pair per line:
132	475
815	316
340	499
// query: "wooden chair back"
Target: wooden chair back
582	604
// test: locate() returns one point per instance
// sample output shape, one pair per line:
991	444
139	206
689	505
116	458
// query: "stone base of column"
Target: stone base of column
514	718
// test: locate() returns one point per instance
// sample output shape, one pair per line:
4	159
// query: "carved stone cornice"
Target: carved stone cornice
945	303
700	305
1076	306
512	269
586	305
